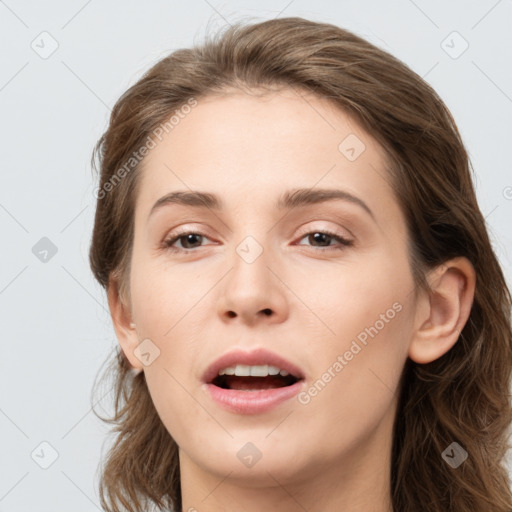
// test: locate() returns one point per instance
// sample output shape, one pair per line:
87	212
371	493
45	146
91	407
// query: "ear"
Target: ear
122	320
443	313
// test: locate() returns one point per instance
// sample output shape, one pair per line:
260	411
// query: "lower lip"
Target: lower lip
252	402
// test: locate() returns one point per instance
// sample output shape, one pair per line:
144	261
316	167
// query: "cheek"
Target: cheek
357	368
346	298
164	295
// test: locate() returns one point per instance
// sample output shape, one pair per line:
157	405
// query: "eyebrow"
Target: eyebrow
291	199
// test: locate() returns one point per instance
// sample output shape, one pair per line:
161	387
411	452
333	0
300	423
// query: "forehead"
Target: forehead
240	146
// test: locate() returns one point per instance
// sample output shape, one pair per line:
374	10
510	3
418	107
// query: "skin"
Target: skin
334	452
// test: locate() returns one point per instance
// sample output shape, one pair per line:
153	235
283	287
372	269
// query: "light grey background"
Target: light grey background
55	327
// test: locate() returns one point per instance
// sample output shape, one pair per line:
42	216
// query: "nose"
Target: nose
252	292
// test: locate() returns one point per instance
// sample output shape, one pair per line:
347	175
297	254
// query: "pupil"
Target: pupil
188	237
322	237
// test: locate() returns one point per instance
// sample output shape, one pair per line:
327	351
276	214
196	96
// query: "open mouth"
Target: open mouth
250	383
259	370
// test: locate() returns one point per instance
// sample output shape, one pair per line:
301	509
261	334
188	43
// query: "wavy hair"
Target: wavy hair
464	395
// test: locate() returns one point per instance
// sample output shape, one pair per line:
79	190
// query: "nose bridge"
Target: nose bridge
250	273
252	236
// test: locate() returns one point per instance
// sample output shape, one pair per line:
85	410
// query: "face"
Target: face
324	285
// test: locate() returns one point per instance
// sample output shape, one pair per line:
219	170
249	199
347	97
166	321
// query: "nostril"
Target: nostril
267	312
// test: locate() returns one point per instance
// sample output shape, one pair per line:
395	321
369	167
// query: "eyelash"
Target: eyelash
167	244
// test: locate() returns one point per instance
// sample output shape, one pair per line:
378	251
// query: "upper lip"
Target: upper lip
254	357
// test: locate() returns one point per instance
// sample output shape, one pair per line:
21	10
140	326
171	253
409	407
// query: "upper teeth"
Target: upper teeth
243	370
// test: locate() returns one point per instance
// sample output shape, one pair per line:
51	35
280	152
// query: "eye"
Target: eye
188	239
324	237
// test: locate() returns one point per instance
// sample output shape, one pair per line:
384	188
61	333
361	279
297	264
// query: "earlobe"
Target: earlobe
124	328
443	313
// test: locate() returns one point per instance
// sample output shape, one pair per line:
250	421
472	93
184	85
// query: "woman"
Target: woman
309	310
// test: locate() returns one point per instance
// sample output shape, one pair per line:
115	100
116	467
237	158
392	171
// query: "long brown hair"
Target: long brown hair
462	396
